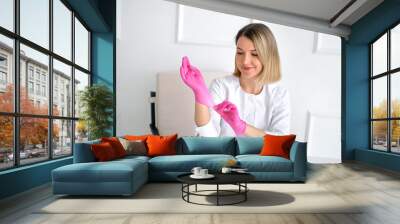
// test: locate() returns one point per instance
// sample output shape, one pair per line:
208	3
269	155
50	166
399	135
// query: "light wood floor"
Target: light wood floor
378	188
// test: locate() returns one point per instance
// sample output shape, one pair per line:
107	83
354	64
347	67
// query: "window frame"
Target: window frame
15	72
388	74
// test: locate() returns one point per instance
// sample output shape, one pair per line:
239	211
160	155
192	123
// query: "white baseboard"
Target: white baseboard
323	160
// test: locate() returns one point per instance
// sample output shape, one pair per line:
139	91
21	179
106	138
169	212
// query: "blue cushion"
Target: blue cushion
206	145
133	157
249	145
184	163
118	177
257	163
83	153
111	171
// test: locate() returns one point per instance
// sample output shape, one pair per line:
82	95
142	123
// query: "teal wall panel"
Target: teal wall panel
355	85
357	99
102	59
103	66
90	13
376	158
24	178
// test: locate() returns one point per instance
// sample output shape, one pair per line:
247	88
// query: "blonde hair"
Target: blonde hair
267	50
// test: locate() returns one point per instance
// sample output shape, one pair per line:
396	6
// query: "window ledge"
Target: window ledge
12	170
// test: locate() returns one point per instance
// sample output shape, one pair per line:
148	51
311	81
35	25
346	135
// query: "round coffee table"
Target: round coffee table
238	179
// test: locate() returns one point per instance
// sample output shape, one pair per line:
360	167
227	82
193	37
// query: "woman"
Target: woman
250	102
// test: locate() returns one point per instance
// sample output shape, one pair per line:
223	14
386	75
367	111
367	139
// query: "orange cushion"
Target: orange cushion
275	145
116	145
161	145
103	151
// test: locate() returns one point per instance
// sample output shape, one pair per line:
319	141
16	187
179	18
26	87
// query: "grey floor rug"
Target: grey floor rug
166	198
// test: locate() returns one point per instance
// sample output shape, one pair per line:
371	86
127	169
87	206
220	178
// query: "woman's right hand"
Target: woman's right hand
192	77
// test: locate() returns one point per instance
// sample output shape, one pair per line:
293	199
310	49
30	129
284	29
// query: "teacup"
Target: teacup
203	172
226	170
196	170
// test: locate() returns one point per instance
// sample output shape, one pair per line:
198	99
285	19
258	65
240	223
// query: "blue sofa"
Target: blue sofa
125	176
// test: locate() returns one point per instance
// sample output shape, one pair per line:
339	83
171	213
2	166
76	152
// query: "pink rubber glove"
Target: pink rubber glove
229	113
192	77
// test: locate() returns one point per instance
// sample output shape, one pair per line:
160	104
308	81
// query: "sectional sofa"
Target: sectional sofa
126	175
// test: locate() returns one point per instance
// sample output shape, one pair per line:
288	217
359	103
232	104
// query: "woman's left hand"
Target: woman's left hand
229	113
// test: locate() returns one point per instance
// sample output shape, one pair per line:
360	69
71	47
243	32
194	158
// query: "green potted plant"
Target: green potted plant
96	102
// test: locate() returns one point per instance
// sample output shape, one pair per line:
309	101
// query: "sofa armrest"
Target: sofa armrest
83	152
298	155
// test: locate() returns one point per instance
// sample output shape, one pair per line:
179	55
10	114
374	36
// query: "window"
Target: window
7	14
7	142
3	61
30	87
37	75
43	90
81	45
30	72
62	130
385	91
3	78
62	75
34	21
3	72
62	29
81	81
57	126
38	89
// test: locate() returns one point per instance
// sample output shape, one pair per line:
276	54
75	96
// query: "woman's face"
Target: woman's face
246	58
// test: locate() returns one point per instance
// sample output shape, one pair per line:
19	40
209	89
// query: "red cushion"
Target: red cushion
161	145
116	145
275	145
103	151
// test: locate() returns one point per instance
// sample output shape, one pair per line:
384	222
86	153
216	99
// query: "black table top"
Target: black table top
220	178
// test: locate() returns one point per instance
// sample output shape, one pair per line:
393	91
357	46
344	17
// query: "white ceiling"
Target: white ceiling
315	15
320	9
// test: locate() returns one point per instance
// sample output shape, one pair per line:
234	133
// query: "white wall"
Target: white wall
147	45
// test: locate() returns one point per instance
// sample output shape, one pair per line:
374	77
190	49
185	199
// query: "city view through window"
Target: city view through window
385	87
39	114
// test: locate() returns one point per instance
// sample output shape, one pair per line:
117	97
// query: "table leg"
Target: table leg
188	189
245	191
182	188
217	194
196	188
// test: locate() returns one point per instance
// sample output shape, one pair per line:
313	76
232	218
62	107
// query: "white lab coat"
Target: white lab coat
268	111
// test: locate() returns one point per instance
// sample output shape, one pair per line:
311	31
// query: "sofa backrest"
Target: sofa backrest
83	152
206	145
191	146
249	145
